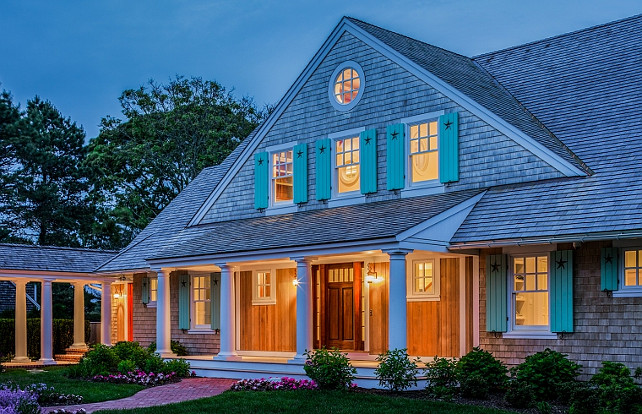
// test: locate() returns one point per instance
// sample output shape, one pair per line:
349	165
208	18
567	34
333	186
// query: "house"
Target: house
405	196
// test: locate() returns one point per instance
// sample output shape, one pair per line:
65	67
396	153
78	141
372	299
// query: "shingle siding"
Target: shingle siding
487	158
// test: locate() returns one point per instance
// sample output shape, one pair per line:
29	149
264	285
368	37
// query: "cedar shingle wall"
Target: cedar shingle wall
606	328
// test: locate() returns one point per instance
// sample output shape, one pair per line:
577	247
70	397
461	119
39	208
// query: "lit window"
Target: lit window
424	155
282	178
530	291
201	291
423	283
347	85
263	288
632	268
347	164
153	289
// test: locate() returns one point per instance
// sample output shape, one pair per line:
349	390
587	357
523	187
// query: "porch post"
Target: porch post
105	314
21	322
227	334
397	299
163	321
79	315
46	324
303	307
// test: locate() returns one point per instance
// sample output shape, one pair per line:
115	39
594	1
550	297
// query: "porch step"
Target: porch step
72	354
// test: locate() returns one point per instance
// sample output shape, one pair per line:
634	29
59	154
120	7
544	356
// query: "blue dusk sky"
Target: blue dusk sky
82	54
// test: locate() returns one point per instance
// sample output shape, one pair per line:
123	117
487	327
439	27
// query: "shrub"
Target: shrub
177	348
126	366
100	360
153	363
131	351
478	373
178	366
48	396
584	399
330	369
62	335
520	394
273	384
396	371
546	372
442	378
616	390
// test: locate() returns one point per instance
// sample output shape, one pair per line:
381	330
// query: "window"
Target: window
263	288
282	177
153	289
346	85
347	164
424	155
424	281
201	298
530	292
632	268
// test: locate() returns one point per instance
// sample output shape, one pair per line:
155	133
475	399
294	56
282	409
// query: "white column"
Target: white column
227	349
21	322
163	320
397	299
105	314
303	307
46	324
79	315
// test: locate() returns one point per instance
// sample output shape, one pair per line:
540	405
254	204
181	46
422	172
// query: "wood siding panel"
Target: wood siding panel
378	312
268	327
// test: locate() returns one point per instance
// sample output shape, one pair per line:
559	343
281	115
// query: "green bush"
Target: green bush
132	351
584	399
63	336
546	372
479	373
441	374
616	390
126	366
178	366
176	347
396	371
329	368
100	360
520	394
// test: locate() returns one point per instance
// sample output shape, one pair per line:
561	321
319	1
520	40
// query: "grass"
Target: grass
309	402
53	376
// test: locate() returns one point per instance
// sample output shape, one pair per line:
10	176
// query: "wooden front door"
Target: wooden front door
342	306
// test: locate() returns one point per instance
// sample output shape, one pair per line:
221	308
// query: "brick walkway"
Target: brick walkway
187	389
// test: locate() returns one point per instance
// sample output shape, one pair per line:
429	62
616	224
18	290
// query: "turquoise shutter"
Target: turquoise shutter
183	301
609	268
496	296
215	299
561	289
395	145
261	180
449	148
144	290
324	169
300	161
368	155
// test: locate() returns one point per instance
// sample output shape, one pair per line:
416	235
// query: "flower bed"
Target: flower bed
138	377
274	384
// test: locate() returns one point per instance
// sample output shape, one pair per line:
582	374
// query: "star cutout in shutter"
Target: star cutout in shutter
608	259
144	284
494	267
184	283
448	124
322	149
394	135
368	140
561	263
260	161
299	154
215	282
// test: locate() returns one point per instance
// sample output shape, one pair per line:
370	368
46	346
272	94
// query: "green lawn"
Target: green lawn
53	376
309	402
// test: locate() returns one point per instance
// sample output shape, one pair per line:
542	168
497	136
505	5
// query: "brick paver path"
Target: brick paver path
187	389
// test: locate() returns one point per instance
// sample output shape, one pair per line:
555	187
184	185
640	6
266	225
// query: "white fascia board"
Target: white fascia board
267	125
465	101
444	224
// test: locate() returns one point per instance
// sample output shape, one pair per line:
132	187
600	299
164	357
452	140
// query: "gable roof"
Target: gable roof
52	258
585	86
173	218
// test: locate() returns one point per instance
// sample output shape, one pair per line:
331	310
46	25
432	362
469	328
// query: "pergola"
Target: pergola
22	264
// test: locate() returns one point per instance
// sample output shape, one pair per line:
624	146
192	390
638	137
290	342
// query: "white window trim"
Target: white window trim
284	206
421	187
531	332
352	197
333	101
624	291
192	304
271	300
411	295
152	303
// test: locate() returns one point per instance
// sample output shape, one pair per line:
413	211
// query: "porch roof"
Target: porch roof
369	221
52	258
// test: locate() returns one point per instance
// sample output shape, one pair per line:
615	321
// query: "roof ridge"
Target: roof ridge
547	39
38	246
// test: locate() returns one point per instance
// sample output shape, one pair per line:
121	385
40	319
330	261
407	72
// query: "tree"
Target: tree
9	116
171	133
46	185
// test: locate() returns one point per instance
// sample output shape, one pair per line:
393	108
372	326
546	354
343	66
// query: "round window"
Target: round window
346	86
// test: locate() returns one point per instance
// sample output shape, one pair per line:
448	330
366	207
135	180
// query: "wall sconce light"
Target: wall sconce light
116	295
295	282
371	274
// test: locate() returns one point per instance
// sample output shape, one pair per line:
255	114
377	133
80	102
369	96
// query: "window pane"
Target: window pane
433	143
267	291
530	282
423	130
433	128
531	309
414	146
639	264
542	264
424	166
283	189
355	143
519	282
519	265
630	277
199	310
349	178
268	280
530	265
414	131
629	258
542	281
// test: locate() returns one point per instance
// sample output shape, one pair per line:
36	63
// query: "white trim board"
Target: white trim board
458	97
